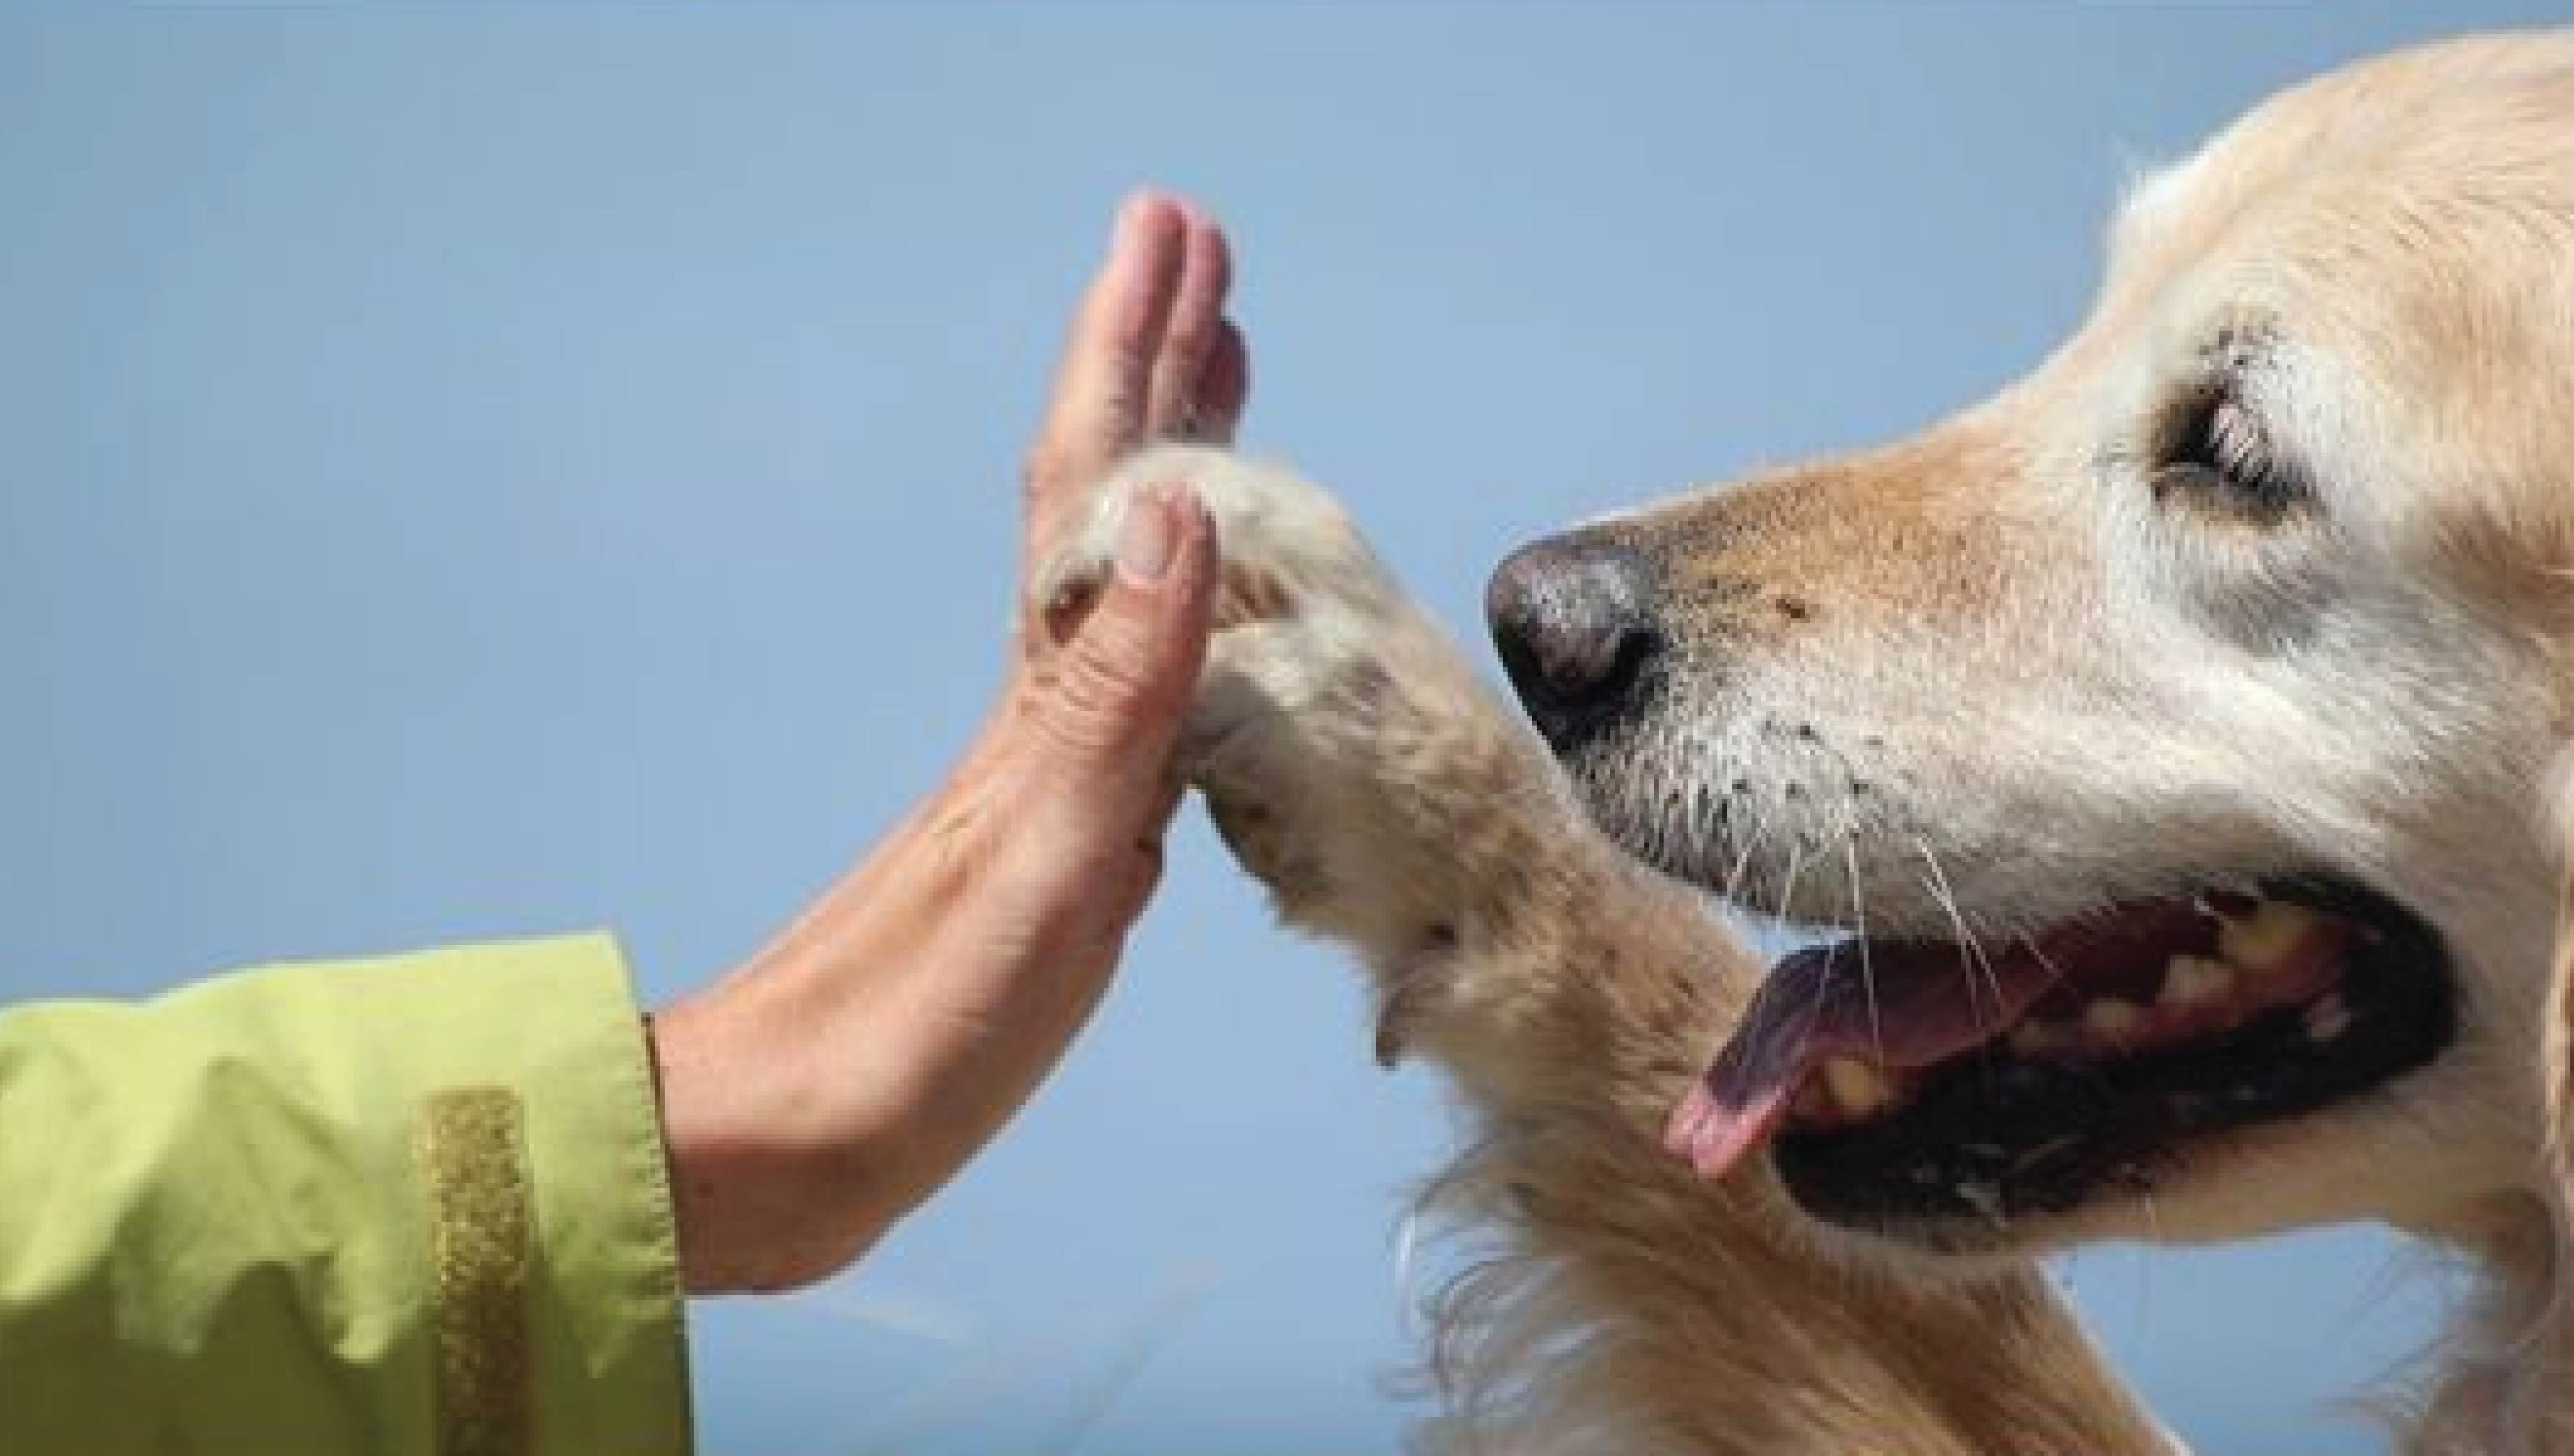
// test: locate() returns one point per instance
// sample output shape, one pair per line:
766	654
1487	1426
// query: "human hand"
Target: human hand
826	1087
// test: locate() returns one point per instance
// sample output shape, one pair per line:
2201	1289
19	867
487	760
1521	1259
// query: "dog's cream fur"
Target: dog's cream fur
2023	679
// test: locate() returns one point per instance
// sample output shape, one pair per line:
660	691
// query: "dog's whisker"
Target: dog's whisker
1859	922
1971	951
1788	885
1759	831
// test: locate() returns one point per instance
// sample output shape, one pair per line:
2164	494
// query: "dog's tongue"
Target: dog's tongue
1908	1005
1929	1003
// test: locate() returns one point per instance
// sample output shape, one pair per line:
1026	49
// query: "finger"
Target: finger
1103	385
1195	324
1111	708
1225	386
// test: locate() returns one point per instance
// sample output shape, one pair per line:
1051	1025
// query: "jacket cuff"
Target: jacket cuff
498	1100
555	1315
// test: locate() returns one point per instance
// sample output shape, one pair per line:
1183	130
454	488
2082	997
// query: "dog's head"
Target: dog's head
2170	733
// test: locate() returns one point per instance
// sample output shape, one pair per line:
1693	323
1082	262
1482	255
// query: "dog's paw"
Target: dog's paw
1320	670
1350	756
1288	548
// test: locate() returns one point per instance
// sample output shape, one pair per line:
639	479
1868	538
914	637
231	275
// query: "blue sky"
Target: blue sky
494	470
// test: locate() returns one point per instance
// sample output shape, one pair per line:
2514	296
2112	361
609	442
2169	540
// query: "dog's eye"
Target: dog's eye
2217	450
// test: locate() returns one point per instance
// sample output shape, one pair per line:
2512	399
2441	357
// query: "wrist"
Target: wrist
791	1099
769	1189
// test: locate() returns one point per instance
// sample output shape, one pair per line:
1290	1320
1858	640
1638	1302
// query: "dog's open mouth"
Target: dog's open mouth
1923	1080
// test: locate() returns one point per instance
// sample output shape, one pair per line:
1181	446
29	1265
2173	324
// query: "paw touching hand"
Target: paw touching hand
1346	748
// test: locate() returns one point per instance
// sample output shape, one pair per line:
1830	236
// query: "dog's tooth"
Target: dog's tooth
2035	1037
1860	1088
2112	1018
2262	940
2195	981
2327	1016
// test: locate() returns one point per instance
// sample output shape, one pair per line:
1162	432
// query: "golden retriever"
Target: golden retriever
2172	738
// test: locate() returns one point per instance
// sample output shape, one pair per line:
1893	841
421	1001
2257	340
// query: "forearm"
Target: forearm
822	1090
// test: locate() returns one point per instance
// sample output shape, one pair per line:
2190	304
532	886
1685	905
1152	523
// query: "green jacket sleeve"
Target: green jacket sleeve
411	1205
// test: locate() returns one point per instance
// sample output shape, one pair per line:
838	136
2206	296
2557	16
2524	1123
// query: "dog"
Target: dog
2174	744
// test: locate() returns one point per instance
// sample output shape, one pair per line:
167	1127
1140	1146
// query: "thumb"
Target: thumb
1113	708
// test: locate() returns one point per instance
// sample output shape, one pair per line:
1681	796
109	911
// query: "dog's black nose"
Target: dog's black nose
1572	618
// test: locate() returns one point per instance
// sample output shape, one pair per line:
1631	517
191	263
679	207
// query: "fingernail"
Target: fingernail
1151	536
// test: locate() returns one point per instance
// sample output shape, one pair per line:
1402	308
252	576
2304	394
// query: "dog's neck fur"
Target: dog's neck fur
2505	1382
2506	1379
